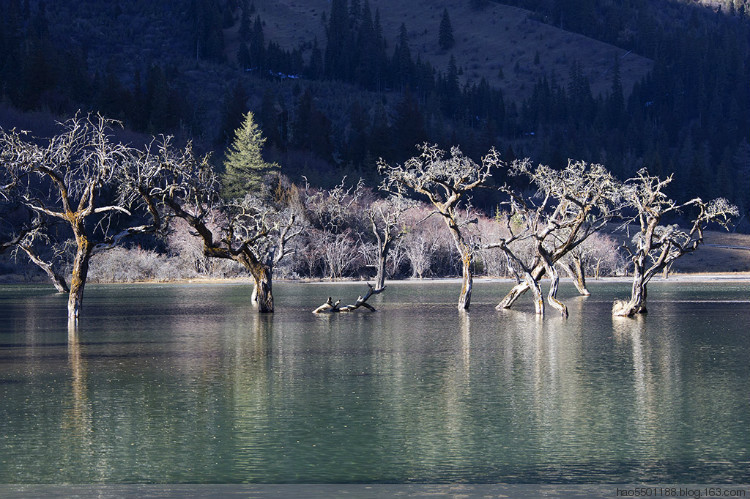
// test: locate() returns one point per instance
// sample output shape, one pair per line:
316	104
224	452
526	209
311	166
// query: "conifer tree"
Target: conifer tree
445	36
244	164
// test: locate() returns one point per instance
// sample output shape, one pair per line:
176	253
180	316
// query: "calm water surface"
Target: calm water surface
186	384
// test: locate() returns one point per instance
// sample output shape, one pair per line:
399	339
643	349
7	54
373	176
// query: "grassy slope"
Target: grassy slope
722	252
499	37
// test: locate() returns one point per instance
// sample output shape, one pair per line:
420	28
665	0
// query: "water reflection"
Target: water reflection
184	384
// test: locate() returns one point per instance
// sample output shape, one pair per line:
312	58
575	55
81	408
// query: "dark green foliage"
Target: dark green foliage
445	33
244	164
158	67
233	113
311	130
408	127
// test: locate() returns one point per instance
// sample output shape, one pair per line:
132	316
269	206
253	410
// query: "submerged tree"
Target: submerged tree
445	181
569	206
657	246
251	232
77	178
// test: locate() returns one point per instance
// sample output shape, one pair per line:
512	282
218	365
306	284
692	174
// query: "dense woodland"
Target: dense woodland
334	106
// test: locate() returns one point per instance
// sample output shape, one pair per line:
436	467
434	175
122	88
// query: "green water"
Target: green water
186	384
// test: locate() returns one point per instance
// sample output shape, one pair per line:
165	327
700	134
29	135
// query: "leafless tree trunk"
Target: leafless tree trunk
575	203
574	269
330	307
444	181
386	225
656	247
77	165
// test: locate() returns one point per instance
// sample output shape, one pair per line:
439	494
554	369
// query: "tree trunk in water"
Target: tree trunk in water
263	291
521	288
382	256
467	258
78	278
575	272
554	282
464	300
637	302
533	285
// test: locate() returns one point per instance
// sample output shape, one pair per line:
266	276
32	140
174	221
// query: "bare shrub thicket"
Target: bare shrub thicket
426	248
130	265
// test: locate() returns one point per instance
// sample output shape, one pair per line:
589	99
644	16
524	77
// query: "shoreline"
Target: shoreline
676	277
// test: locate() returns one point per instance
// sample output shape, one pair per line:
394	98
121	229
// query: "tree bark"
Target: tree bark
78	277
263	291
554	282
533	285
57	280
576	272
464	300
467	259
521	288
637	302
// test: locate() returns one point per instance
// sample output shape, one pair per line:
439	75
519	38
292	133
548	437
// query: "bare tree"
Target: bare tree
254	233
598	254
387	225
569	206
445	181
77	178
338	218
330	307
657	246
422	239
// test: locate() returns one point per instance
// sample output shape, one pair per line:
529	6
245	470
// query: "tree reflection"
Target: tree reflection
77	414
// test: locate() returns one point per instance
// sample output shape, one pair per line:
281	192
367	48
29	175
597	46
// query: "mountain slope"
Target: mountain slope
499	43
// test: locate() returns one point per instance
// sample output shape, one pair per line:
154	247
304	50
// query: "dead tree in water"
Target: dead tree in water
657	246
572	205
76	178
386	224
25	233
249	231
445	182
330	307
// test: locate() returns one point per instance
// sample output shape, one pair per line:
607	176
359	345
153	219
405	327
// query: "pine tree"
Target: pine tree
445	36
244	164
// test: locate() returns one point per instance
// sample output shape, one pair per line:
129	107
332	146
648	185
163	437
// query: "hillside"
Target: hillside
661	84
499	43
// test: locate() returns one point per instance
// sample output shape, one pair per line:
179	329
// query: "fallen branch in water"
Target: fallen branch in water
331	307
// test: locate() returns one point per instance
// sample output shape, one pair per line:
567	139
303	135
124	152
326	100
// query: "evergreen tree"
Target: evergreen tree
408	127
616	102
311	128
445	35
271	120
367	72
338	38
403	64
244	164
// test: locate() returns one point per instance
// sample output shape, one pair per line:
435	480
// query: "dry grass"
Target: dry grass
498	38
721	252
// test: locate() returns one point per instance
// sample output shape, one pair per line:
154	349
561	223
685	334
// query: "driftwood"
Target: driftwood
331	307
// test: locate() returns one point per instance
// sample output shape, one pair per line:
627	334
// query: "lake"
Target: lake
184	383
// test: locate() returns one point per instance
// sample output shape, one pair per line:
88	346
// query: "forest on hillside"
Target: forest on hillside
332	107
